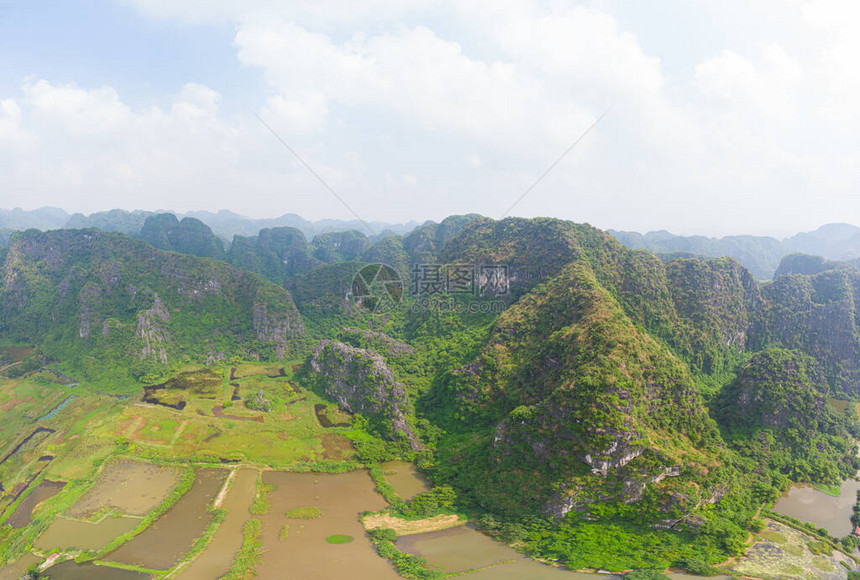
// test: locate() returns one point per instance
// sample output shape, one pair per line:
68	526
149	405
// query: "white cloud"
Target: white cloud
419	109
769	90
11	132
836	25
78	111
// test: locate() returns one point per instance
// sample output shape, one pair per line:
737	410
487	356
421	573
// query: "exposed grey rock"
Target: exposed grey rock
361	382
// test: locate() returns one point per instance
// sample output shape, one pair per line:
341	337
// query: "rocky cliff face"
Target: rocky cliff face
817	315
278	254
361	382
152	332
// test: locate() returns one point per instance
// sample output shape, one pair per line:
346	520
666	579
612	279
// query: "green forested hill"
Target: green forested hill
579	404
108	304
599	392
776	410
189	236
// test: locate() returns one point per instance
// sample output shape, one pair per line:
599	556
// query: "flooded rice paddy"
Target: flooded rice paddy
45	490
64	533
810	505
304	552
216	559
130	487
329	543
405	478
163	544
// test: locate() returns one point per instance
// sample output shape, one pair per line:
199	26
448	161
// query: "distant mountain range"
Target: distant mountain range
759	254
224	223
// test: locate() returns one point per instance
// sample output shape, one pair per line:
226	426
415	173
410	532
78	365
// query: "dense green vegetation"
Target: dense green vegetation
115	310
616	412
776	411
189	236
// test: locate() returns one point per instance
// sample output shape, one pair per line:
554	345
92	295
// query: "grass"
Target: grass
218	516
831	490
285	531
95	427
820	548
800	555
261	500
774	537
339	539
304	513
249	554
385	489
823	564
130	567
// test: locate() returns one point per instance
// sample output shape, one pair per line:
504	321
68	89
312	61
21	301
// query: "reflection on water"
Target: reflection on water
303	552
810	505
405	478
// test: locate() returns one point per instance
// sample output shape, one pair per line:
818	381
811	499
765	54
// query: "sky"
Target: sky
715	118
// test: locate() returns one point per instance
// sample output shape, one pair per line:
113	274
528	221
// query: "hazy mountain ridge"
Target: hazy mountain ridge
224	223
761	255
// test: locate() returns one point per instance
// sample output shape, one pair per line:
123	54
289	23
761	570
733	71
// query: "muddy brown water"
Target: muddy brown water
810	505
217	558
69	570
131	487
17	353
162	544
19	567
31	441
321	412
405	478
64	533
23	513
465	548
304	553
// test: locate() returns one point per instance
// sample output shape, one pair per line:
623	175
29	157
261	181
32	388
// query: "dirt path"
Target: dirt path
223	493
9	366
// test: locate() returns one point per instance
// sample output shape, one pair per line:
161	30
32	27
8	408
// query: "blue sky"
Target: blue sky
739	117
